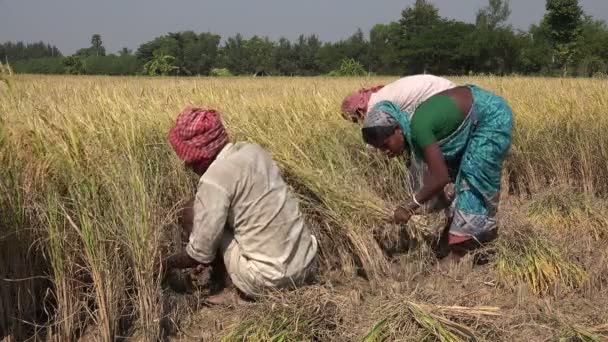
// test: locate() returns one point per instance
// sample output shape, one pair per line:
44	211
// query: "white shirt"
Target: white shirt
243	191
409	92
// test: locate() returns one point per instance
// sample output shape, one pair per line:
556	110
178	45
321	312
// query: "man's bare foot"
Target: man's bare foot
226	297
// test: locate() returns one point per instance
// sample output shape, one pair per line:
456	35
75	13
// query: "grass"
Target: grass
89	187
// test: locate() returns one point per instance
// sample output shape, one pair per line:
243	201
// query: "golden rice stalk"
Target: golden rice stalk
5	73
456	310
533	262
432	318
582	334
442	328
567	209
298	316
377	333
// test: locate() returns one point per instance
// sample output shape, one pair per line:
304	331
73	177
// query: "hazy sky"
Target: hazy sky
69	24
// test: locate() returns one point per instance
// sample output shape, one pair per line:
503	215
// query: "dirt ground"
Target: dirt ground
346	307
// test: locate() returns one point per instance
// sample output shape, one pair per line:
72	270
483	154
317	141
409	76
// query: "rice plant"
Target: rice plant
569	210
89	188
533	262
5	73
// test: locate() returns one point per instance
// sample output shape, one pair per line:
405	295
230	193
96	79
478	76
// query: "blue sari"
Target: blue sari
477	149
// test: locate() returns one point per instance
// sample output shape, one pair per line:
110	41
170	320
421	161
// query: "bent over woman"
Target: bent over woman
463	135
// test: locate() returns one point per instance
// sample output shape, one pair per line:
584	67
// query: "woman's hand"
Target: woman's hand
402	215
449	191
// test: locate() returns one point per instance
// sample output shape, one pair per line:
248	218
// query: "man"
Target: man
243	215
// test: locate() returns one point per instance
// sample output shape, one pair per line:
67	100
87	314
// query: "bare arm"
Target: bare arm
185	218
437	176
435	179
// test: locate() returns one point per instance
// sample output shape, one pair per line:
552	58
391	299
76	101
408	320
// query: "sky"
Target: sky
69	24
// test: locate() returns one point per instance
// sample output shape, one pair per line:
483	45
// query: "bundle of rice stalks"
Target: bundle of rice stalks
307	316
582	334
567	209
533	262
441	327
432	319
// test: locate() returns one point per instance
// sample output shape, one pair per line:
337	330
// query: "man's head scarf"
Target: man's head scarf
198	135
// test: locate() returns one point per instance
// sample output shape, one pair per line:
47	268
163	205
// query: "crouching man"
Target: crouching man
243	215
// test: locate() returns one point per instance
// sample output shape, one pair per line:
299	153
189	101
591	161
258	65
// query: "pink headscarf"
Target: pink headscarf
354	106
198	136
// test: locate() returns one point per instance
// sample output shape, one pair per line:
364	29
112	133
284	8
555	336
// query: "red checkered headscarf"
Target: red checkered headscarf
354	106
198	136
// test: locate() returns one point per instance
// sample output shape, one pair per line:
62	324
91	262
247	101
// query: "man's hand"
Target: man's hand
200	269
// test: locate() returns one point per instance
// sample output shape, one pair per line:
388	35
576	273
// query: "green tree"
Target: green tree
494	15
420	17
564	19
195	54
594	38
537	50
233	55
45	65
159	65
441	48
592	65
258	52
20	51
383	48
201	53
97	48
416	23
330	55
112	65
285	58
74	65
306	50
493	47
125	52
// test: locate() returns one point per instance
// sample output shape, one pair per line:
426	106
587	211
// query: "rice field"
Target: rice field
89	188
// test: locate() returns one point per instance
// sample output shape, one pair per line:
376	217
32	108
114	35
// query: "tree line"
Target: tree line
565	42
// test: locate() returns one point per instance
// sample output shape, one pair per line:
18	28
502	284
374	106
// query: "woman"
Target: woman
406	94
462	135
